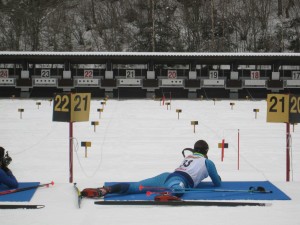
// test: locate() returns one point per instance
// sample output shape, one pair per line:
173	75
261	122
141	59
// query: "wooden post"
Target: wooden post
103	103
194	123
95	123
38	104
168	104
256	111
294	126
20	111
100	111
178	111
86	144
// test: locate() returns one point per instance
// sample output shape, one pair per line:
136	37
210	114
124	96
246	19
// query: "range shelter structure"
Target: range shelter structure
149	74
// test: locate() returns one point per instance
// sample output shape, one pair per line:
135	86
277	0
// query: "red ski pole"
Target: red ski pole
11	191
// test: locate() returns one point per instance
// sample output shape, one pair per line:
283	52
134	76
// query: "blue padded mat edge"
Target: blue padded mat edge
209	194
24	196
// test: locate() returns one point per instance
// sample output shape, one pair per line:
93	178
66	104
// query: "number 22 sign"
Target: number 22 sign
71	107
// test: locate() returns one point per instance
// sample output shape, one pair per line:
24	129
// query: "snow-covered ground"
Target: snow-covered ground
137	139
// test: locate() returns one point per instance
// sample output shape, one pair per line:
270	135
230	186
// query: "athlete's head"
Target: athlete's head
201	146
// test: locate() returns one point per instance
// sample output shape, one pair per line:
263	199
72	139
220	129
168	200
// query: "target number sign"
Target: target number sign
3	73
88	73
71	107
296	75
255	75
130	74
284	108
213	74
172	74
45	73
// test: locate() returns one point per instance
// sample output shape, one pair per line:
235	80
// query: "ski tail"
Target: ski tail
8	206
11	191
79	196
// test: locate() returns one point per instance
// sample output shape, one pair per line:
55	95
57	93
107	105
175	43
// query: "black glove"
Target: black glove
6	160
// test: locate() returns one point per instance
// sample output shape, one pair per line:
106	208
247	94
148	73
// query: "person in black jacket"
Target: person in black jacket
6	176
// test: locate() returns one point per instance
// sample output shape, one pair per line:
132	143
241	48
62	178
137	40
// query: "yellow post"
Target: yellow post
20	111
38	104
194	123
95	123
103	103
294	126
214	101
256	111
86	144
168	104
100	111
178	111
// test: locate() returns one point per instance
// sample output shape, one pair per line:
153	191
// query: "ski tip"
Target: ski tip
52	183
141	187
148	193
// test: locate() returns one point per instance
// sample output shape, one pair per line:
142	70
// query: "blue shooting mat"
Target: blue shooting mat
208	192
23	196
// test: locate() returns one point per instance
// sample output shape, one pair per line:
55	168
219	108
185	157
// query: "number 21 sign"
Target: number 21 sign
284	108
71	107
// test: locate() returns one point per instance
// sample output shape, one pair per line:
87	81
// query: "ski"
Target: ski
11	191
161	190
79	196
182	203
22	206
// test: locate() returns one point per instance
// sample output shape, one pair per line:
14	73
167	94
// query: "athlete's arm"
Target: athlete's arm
212	172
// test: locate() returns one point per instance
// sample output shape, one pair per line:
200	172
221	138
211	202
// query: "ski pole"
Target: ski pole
6	192
250	190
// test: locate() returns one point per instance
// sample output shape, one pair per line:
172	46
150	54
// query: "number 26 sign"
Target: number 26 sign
172	74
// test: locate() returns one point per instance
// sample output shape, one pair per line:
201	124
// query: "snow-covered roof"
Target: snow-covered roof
154	54
241	58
